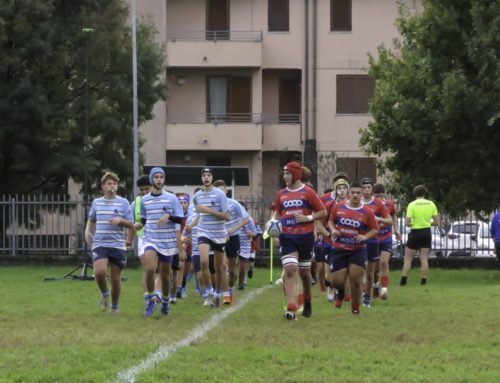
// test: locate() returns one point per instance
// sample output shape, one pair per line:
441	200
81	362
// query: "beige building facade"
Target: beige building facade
255	83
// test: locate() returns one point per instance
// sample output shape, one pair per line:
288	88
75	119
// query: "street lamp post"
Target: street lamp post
133	17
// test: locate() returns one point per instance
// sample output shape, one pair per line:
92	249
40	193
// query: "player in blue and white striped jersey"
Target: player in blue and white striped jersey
247	234
160	213
105	235
212	206
239	218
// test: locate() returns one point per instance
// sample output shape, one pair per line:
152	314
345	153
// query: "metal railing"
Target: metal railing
276	118
212	118
45	224
41	224
228	35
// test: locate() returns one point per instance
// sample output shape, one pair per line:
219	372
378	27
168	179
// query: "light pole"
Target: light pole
134	94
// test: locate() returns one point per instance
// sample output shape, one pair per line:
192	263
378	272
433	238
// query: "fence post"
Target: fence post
13	225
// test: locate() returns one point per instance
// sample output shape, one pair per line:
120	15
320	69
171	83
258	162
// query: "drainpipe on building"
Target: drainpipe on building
310	152
305	120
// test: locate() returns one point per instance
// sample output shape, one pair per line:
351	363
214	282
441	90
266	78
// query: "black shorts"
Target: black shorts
213	246
233	246
419	239
302	245
340	259
175	262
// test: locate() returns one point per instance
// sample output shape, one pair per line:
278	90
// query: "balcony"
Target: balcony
206	131
282	132
210	49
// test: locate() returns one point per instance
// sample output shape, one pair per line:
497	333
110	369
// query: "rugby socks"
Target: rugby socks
292	307
423	281
403	281
340	294
105	293
114	307
384	281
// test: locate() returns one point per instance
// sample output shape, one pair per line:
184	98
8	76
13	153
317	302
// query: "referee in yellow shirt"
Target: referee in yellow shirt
421	214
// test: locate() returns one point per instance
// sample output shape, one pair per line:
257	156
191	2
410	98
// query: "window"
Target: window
229	98
354	93
218	22
278	15
357	168
340	15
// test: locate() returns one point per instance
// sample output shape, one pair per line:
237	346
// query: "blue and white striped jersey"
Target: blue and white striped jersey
209	225
245	239
238	214
101	211
161	237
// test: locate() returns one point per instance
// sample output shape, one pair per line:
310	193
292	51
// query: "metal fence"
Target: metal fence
51	224
214	36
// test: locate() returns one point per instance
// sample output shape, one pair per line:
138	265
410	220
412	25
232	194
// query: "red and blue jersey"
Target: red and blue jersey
350	222
385	232
289	202
379	209
327	197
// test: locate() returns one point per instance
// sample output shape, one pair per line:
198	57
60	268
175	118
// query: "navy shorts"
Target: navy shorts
302	245
318	254
196	262
161	257
213	246
233	247
340	259
372	251
175	262
385	246
117	257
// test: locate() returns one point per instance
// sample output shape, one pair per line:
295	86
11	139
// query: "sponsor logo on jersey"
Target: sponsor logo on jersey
293	203
349	222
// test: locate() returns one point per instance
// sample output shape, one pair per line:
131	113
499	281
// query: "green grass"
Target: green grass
447	331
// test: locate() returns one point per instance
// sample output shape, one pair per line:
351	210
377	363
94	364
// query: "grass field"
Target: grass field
447	331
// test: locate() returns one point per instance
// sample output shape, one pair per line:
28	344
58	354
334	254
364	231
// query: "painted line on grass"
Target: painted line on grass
165	351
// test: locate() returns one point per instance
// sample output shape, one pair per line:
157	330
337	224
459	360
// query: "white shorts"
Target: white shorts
140	246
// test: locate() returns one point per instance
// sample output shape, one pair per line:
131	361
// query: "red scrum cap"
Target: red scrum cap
295	168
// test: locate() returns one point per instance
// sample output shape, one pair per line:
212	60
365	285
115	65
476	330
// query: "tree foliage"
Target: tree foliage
45	62
436	106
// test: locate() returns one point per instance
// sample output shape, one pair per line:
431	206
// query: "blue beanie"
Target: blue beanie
153	172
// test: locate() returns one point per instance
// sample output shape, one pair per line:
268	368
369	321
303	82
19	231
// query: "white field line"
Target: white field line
165	351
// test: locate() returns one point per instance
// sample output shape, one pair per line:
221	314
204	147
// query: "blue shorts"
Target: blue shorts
196	263
117	257
213	246
302	245
385	246
161	258
340	259
372	251
318	254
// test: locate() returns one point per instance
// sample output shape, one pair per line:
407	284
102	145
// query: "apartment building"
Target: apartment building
255	83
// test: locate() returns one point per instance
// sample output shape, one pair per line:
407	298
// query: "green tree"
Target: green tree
436	106
44	91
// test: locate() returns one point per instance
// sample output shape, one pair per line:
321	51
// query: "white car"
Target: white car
438	240
482	244
458	240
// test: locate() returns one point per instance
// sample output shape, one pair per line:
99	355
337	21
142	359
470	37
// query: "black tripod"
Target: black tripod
74	275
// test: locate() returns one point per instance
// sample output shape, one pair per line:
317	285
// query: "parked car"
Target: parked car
482	244
458	240
438	240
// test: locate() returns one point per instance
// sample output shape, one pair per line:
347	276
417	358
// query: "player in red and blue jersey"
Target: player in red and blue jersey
353	225
385	242
372	246
297	206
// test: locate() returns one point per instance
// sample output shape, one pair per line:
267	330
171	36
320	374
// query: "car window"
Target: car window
485	231
465	228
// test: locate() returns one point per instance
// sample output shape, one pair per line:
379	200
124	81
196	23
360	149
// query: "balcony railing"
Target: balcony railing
271	119
235	36
211	118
